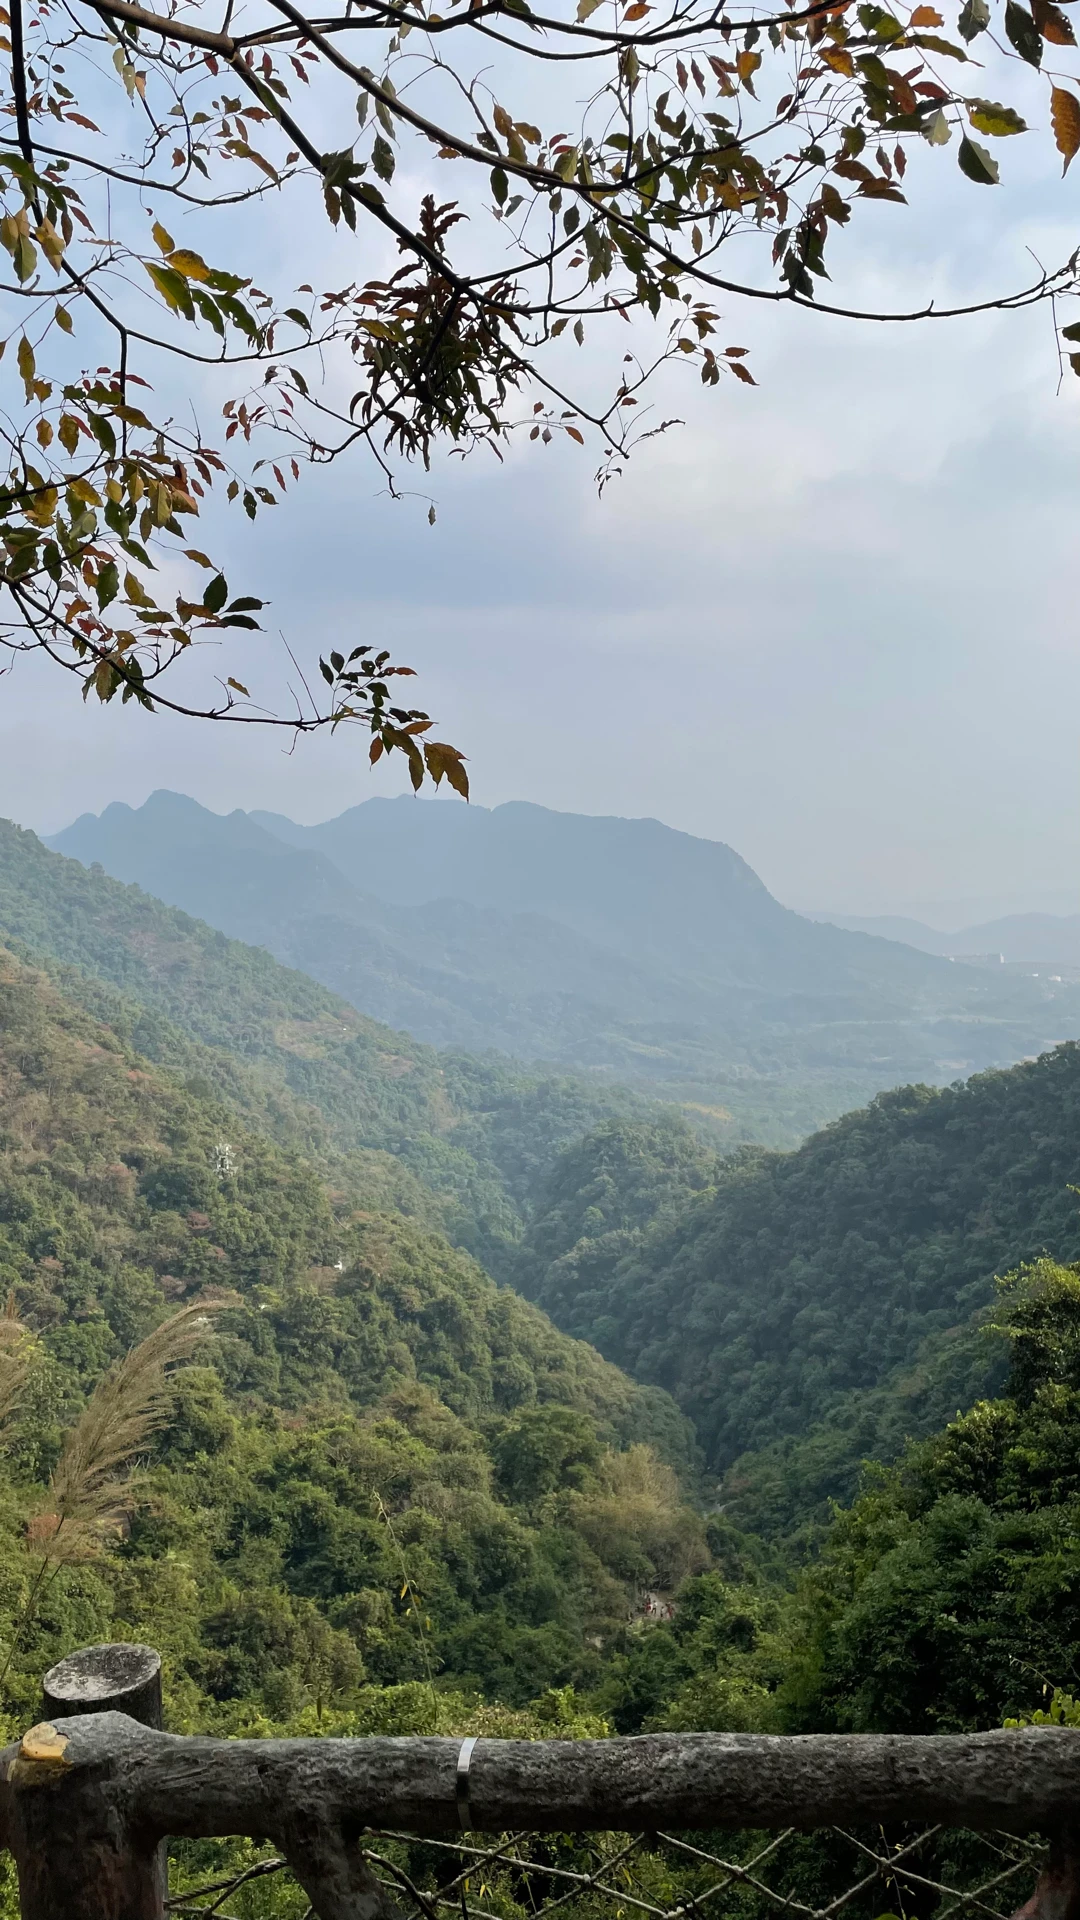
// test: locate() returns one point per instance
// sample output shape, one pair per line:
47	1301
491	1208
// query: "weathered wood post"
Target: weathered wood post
79	1853
121	1678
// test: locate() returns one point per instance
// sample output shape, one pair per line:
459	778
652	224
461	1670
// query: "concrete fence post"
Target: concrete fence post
80	1854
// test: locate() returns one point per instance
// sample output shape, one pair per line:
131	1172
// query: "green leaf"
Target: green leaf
216	593
1023	34
500	185
933	43
208	307
240	316
102	430
875	20
108	584
977	163
382	158
585	7
974	18
134	416
27	364
25	257
226	282
987	116
875	70
937	129
172	287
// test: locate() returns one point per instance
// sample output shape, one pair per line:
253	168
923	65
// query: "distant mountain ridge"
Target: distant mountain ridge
620	948
686	903
453	1139
1017	937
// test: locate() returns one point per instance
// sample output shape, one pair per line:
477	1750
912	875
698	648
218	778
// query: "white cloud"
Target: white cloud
831	620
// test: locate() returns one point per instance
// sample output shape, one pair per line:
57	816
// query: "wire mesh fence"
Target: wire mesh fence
927	1874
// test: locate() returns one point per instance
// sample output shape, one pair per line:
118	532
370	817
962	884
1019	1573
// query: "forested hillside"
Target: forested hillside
468	1135
619	948
388	1495
949	1596
820	1304
946	1598
387	1466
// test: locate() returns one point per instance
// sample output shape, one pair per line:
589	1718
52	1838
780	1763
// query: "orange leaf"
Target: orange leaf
1065	120
926	17
1053	24
839	59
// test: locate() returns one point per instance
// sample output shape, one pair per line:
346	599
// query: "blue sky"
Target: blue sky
832	620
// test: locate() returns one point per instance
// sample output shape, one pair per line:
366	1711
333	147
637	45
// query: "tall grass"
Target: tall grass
94	1481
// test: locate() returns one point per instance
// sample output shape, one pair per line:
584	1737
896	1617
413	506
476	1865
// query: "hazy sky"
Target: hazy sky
832	621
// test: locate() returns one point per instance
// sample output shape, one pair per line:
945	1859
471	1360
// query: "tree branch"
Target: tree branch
167	1784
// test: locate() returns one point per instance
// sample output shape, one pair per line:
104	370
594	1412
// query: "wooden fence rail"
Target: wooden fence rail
89	1796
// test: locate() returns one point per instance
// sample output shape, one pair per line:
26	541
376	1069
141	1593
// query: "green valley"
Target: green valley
530	1403
386	1469
811	1309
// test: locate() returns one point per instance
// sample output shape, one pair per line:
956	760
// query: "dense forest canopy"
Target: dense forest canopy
831	1292
371	1402
807	1310
387	1493
469	1135
389	1488
944	1599
948	1596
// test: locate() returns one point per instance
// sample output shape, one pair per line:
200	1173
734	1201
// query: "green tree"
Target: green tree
385	1473
948	1596
545	1451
